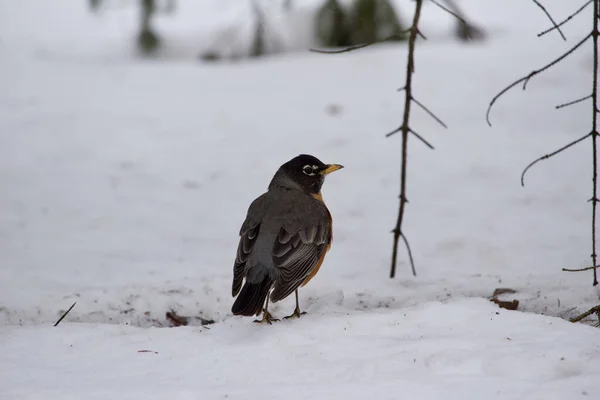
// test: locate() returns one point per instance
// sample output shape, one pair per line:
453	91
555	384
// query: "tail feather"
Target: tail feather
252	298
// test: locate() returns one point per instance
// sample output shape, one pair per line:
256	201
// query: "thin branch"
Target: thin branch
358	46
547	156
526	79
428	111
587	313
65	314
550	18
422	139
595	136
449	11
410	68
410	256
401	129
566	20
580	269
570	103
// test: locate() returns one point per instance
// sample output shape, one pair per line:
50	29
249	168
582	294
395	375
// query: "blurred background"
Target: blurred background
135	133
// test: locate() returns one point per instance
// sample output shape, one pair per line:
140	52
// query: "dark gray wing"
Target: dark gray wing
248	234
302	241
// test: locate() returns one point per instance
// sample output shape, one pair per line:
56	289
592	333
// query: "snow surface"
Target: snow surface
124	183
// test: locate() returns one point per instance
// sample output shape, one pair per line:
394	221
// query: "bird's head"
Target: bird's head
303	172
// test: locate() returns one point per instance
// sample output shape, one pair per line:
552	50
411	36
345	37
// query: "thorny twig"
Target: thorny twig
594	198
594	97
404	128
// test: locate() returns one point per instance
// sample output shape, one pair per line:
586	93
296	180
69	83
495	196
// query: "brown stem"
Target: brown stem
595	135
587	313
410	68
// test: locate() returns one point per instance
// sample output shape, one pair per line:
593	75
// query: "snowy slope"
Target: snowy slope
124	183
423	352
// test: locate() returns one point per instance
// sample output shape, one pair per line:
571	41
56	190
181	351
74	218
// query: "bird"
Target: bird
284	238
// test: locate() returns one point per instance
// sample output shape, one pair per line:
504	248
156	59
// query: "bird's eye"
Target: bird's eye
308	170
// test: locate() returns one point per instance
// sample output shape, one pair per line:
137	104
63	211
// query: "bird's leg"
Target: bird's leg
267	318
297	313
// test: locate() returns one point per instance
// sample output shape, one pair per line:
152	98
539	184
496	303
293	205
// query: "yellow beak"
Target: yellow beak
330	168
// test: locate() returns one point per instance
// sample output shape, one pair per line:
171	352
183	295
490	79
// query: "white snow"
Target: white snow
124	183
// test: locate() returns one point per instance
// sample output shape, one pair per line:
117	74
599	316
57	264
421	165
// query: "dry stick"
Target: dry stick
526	79
550	18
587	313
410	67
547	156
580	269
570	103
65	314
566	20
595	135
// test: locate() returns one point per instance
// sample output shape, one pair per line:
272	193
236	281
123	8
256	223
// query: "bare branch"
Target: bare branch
593	310
580	269
422	139
566	20
409	251
401	129
526	79
410	68
595	136
357	47
455	15
65	314
547	156
428	111
570	103
550	18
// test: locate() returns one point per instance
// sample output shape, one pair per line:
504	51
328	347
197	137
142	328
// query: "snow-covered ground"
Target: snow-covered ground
124	183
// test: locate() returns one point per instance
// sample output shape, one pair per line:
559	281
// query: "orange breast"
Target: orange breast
314	271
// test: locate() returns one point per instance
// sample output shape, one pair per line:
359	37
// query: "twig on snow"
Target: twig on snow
65	314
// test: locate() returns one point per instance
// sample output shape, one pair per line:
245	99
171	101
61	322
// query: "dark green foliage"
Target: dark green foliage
367	21
332	25
258	44
148	41
374	20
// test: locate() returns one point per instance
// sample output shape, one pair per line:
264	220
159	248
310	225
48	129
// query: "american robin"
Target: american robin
284	239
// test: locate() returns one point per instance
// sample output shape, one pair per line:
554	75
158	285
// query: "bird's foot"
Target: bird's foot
267	318
297	313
